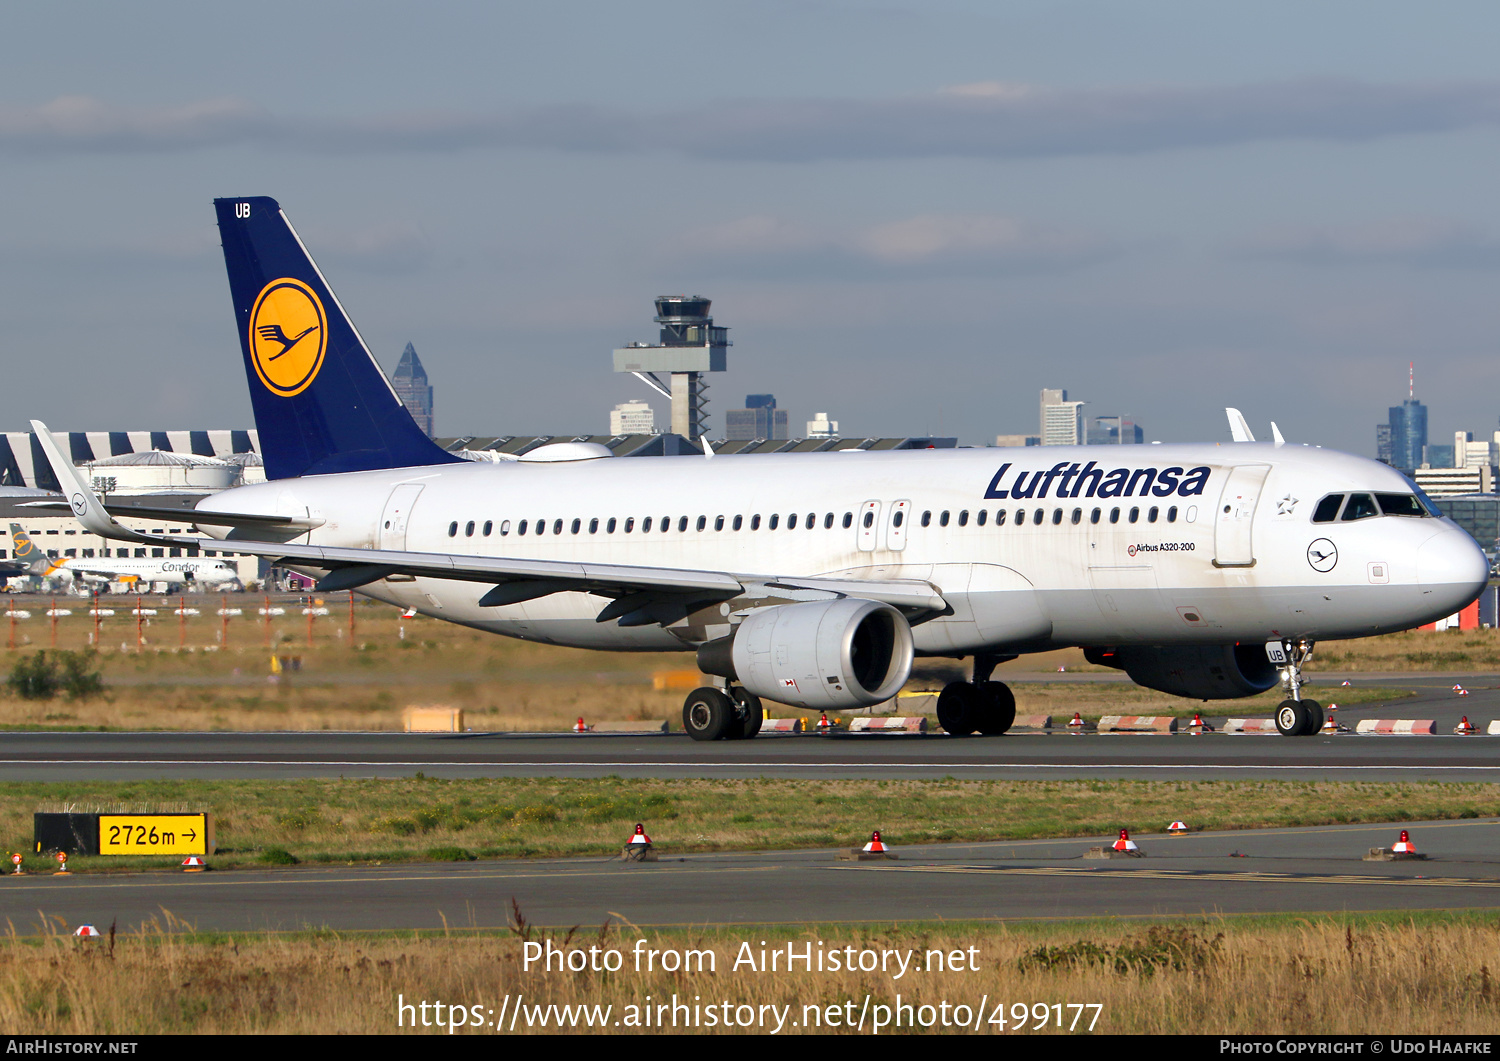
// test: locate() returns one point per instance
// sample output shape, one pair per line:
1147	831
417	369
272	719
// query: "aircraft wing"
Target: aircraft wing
189	515
642	595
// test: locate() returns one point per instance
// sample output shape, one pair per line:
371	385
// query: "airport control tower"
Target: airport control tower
690	347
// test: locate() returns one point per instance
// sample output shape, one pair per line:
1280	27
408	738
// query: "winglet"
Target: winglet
1276	435
1239	430
708	450
86	504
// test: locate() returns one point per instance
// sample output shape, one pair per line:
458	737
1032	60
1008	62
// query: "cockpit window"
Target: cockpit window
1328	509
1400	505
1359	506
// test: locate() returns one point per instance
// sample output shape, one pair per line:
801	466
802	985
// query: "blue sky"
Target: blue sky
912	216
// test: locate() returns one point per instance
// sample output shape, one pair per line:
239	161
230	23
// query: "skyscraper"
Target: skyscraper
1408	429
758	419
412	388
1062	420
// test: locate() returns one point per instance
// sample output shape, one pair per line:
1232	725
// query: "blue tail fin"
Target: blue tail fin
321	402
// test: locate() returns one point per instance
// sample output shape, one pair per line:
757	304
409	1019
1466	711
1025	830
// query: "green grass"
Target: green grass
367	820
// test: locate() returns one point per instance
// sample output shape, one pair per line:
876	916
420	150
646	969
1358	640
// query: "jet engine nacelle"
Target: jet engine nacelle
1201	672
822	655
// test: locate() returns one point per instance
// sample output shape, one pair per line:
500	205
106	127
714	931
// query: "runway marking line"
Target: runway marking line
200	882
724	765
1186	876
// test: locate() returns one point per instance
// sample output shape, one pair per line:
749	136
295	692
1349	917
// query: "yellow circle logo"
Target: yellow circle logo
288	336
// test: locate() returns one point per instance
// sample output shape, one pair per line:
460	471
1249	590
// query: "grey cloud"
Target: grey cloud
985	120
1416	242
925	244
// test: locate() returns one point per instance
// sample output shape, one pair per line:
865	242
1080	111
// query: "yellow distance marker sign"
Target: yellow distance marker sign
156	834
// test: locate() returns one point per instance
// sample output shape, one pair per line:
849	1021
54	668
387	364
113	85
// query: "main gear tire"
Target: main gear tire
1292	718
707	714
959	708
997	708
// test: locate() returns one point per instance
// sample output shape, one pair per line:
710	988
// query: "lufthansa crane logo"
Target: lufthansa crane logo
288	336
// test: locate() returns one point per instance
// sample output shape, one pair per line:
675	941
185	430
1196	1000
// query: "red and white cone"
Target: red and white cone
639	837
193	864
1346	681
1465	728
1458	688
1330	723
1463	692
823	722
15	860
62	863
580	726
876	846
1178	828
1404	845
1198	725
1076	722
1125	843
87	932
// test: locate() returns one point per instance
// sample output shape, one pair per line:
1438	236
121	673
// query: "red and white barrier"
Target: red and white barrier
1032	722
1138	724
1493	729
1250	725
781	725
888	724
1404	726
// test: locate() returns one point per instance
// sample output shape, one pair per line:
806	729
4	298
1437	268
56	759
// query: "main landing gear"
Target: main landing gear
979	706
1296	717
730	714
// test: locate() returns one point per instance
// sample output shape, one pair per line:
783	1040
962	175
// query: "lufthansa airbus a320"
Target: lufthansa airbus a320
1204	571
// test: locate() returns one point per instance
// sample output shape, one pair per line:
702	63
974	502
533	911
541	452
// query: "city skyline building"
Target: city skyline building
1407	425
758	419
822	427
1115	431
413	389
1061	420
632	418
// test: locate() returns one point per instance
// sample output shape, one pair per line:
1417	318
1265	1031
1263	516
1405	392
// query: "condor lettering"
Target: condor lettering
1089	480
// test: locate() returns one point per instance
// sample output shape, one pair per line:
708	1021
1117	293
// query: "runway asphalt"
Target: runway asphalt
1308	870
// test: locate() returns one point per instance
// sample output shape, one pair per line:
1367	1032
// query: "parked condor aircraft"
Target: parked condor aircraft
1205	571
174	571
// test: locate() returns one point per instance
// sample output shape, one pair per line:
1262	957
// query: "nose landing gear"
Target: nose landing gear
1296	717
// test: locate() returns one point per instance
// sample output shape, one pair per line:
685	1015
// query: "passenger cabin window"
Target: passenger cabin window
504	527
776	519
848	520
718	523
557	526
469	529
522	528
1359	506
453	529
577	525
1056	516
738	522
981	517
828	521
1328	509
963	518
1114	515
489	525
1020	516
942	520
1094	515
1038	516
593	526
755	522
629	524
609	528
1077	516
645	524
702	522
1152	514
812	520
1172	514
682	524
999	517
1135	515
927	519
791	522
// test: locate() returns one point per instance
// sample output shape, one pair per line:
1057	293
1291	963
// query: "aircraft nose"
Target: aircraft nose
1452	566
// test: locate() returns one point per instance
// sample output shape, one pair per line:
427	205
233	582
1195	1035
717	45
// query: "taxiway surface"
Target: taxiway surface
1315	869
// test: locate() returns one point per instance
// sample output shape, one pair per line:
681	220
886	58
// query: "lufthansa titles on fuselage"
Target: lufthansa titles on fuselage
1072	479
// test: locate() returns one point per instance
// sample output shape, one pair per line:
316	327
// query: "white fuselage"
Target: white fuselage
172	570
1215	545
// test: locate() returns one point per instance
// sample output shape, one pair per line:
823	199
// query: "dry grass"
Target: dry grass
338	819
1415	650
1419	974
184	679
